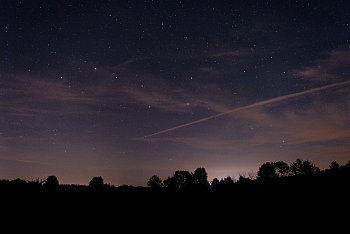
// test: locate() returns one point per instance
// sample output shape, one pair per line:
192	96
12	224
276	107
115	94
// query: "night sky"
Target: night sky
129	89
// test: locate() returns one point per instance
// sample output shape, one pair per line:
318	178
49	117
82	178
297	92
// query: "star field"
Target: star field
129	89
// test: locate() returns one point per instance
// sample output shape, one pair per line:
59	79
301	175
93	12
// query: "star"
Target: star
193	73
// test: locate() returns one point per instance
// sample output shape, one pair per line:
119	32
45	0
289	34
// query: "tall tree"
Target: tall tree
309	167
200	177
282	169
180	179
301	167
267	171
295	168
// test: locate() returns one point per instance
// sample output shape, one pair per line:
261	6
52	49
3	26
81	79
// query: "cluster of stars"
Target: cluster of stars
103	74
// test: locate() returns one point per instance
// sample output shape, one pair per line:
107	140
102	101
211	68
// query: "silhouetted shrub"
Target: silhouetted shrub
51	181
96	182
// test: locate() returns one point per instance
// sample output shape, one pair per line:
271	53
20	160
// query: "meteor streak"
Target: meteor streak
272	100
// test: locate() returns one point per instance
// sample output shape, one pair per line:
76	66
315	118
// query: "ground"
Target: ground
280	205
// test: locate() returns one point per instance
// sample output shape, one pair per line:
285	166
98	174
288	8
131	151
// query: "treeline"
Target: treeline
181	179
267	172
51	182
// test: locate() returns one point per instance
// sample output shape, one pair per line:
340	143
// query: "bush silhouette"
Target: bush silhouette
52	181
96	182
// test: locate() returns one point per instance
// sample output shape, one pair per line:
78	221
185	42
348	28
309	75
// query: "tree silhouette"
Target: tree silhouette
346	167
215	183
251	175
296	167
282	169
180	179
184	179
169	182
96	182
242	178
309	167
227	182
200	177
267	171
334	166
18	183
52	181
154	182
300	167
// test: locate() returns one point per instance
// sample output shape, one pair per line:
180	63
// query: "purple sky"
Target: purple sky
126	90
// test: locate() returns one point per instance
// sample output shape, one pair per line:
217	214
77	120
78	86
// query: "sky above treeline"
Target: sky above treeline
129	89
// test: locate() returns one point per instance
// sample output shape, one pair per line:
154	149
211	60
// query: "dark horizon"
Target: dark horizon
126	90
300	170
188	203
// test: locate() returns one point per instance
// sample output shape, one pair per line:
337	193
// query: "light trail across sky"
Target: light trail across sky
272	100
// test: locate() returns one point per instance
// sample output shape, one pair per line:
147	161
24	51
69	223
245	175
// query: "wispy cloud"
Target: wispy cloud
239	53
333	67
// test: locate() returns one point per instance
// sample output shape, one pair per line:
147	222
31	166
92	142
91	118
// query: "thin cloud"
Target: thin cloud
243	52
330	68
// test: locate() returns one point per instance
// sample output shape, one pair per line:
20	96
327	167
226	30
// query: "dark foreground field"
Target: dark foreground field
279	206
